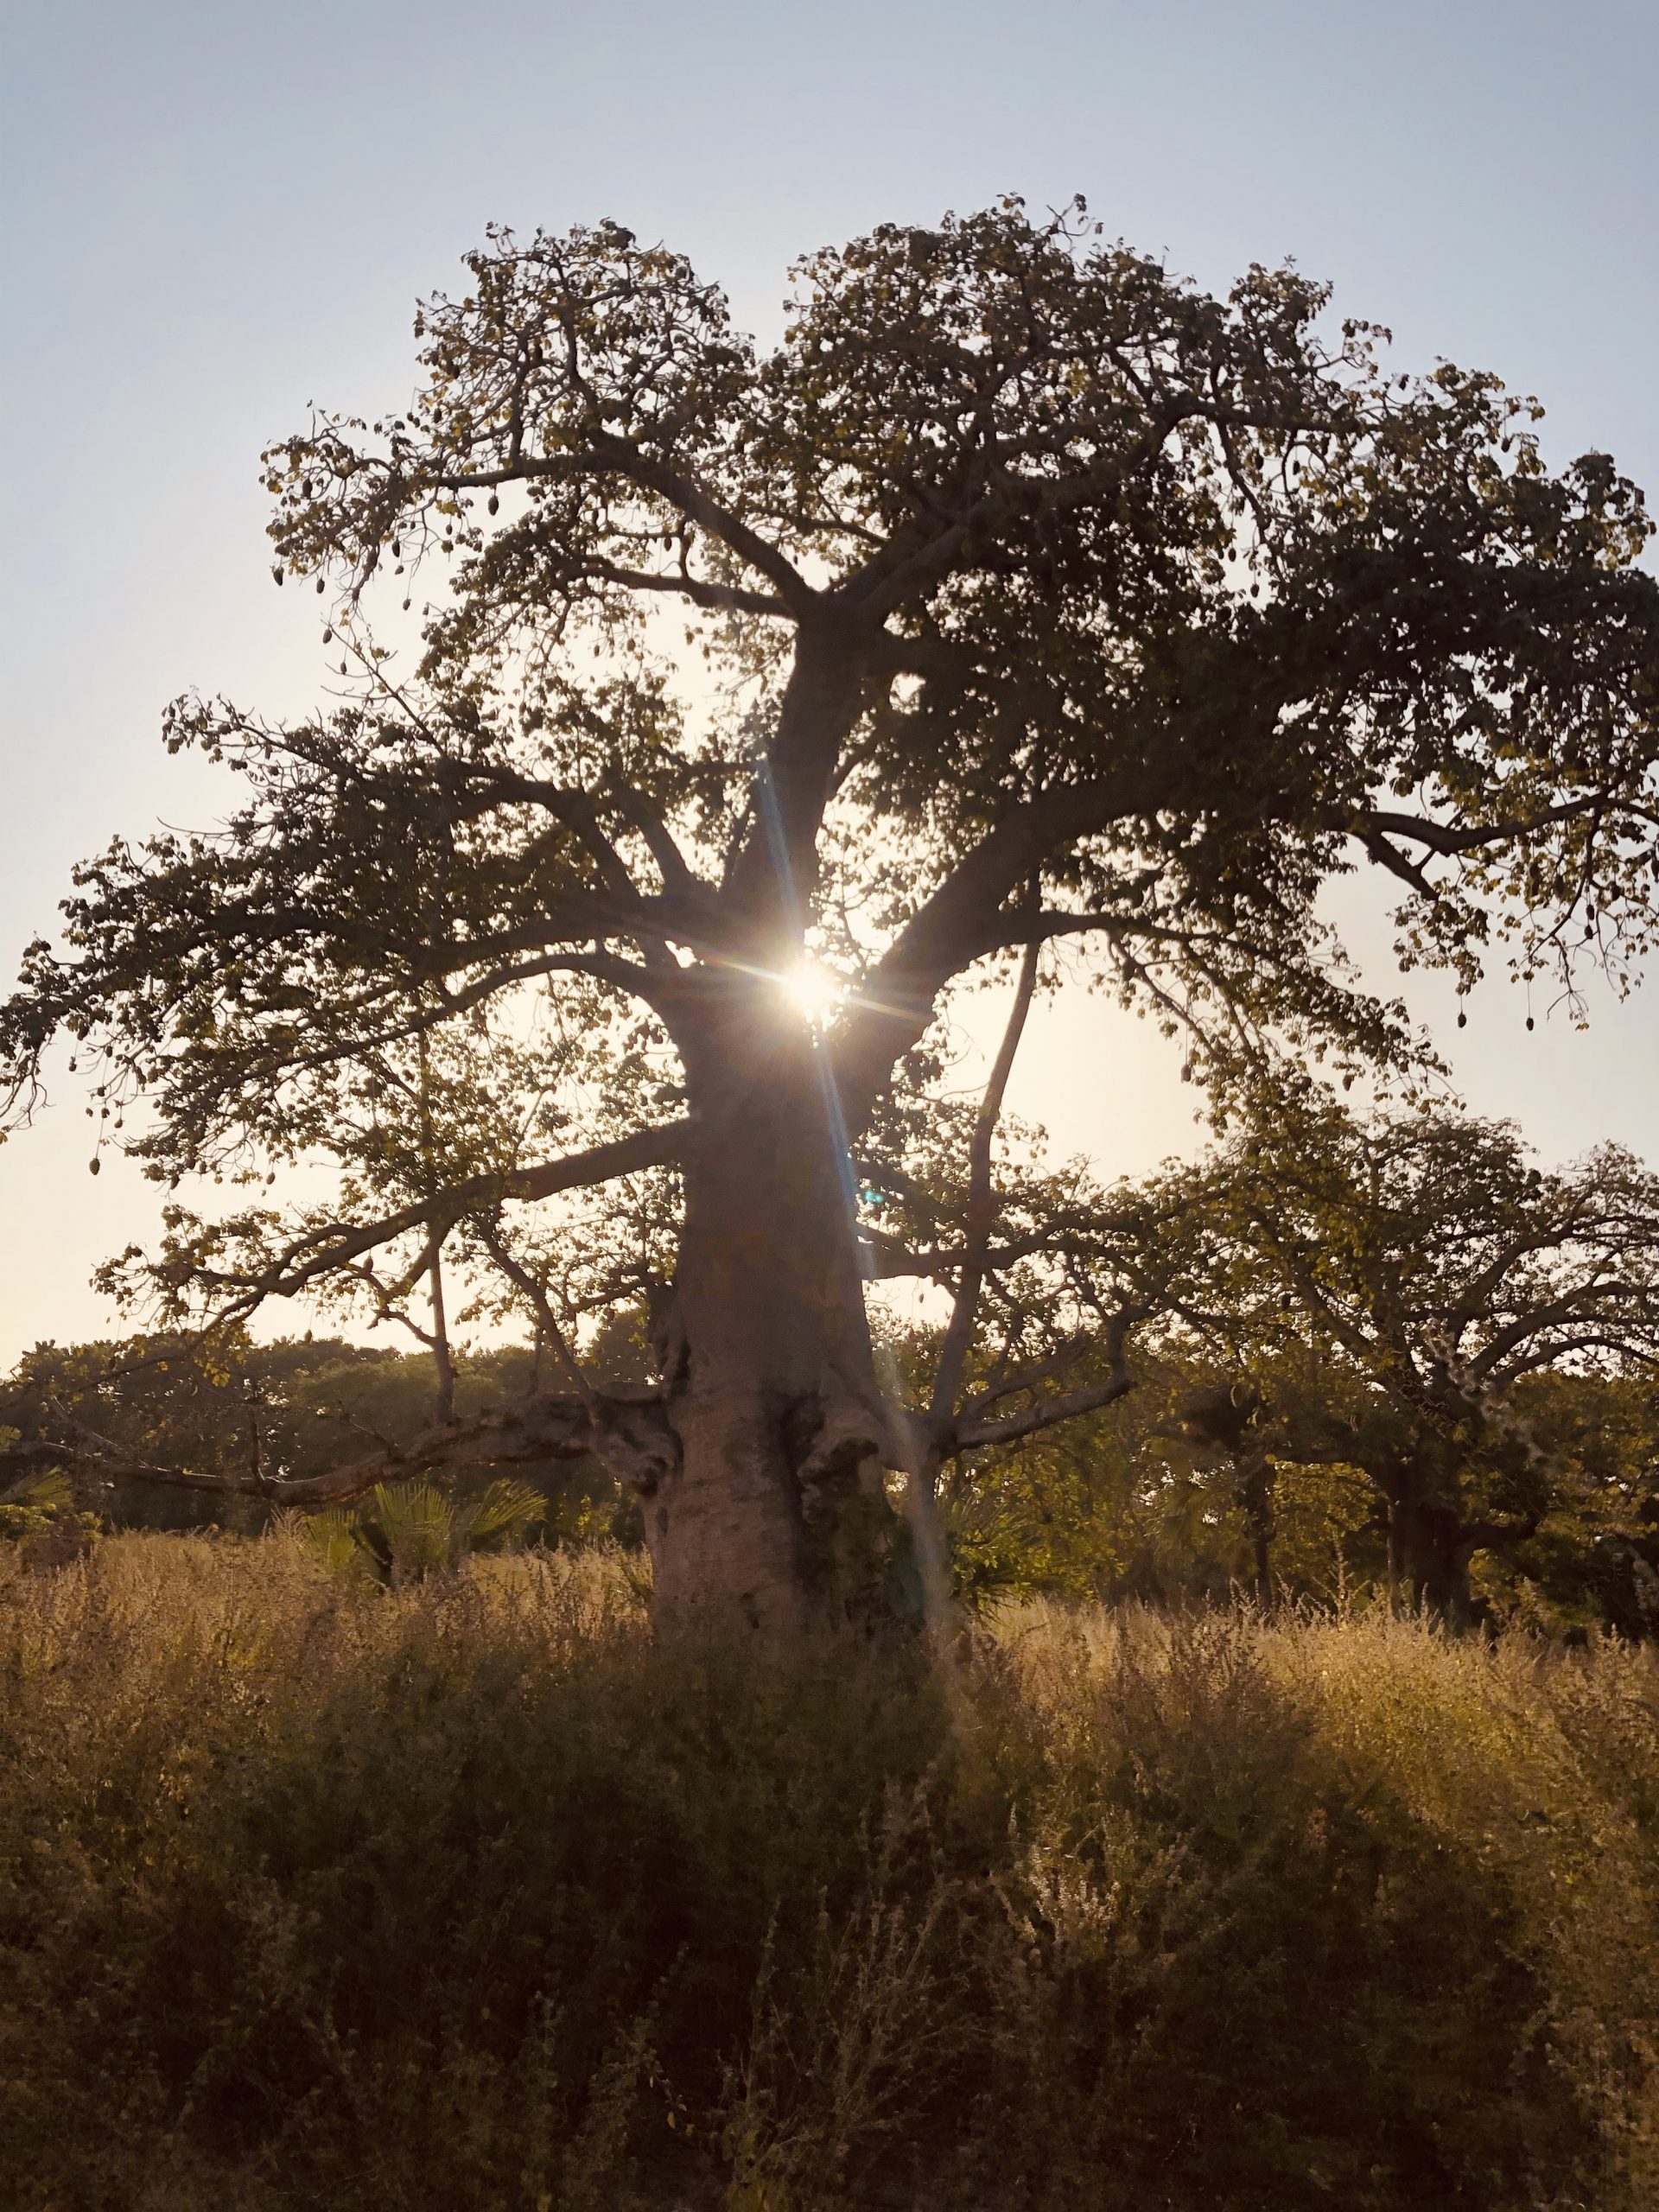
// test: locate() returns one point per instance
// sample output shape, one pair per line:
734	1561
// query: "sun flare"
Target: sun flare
814	992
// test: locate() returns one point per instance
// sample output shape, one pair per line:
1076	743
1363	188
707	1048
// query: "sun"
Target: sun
814	992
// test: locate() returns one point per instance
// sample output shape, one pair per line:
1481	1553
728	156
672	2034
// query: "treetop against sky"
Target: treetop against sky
235	297
1046	598
1011	499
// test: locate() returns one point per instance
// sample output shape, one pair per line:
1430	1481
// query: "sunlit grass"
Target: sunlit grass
313	1893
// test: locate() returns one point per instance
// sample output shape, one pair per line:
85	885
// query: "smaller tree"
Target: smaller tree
1041	1278
121	1417
1388	1292
1593	1559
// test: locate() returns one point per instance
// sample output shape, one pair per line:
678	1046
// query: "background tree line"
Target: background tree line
1357	1357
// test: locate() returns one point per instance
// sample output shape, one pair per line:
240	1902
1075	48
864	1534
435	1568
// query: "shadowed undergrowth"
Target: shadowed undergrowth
313	1894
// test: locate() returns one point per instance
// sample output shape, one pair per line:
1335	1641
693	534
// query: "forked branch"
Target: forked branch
522	1434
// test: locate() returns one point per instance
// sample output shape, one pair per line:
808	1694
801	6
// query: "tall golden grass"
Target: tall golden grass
468	1895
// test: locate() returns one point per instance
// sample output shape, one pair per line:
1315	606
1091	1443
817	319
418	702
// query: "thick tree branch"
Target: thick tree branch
1576	1305
1443	837
914	559
963	920
615	457
1048	1412
940	1264
1032	1375
518	1436
323	1251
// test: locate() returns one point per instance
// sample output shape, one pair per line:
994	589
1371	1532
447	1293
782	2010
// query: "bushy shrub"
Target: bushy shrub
37	1514
403	1532
464	1893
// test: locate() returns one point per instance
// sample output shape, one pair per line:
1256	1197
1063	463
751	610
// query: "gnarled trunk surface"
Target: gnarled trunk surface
1430	1549
778	1510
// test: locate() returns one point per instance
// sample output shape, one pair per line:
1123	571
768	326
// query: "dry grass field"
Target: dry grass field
469	1895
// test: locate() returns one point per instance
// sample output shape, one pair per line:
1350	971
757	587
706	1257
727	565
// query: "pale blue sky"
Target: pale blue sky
213	214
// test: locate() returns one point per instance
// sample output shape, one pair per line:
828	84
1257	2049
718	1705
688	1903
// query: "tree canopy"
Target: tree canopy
1385	1293
1021	593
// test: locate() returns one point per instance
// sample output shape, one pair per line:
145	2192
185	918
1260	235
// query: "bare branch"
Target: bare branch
519	1435
1032	1375
325	1250
1048	1412
981	1198
615	457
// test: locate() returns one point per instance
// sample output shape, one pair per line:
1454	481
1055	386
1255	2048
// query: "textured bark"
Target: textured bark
776	1512
1430	1547
1227	1418
1254	1489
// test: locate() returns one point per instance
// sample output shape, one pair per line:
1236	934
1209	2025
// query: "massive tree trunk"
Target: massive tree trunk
1430	1547
1254	1489
776	1512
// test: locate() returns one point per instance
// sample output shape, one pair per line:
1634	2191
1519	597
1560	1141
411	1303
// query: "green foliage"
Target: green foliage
29	1506
401	1532
224	1405
299	1407
38	1510
1116	1505
467	1893
1391	1350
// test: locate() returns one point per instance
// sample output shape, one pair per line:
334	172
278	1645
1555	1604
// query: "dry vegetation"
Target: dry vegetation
313	1894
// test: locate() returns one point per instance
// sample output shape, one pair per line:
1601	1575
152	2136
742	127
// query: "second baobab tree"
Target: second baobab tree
1020	591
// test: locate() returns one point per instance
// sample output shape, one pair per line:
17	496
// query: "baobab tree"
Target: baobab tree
1021	592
